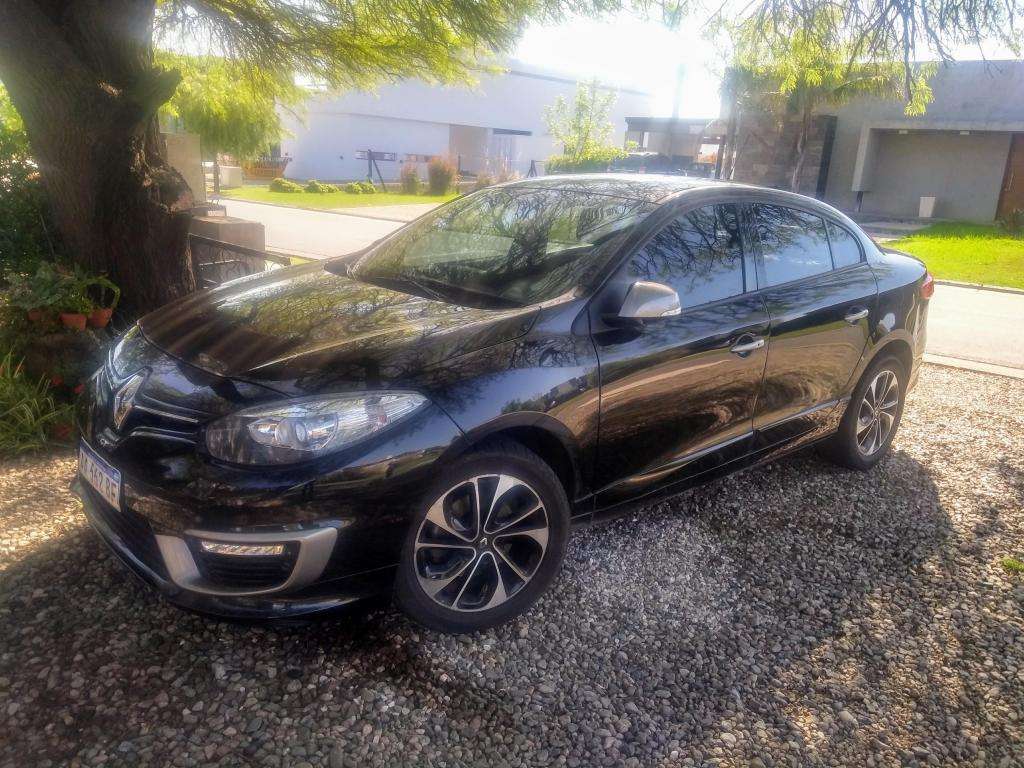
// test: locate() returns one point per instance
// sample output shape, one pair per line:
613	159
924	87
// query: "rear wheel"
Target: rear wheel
872	416
488	541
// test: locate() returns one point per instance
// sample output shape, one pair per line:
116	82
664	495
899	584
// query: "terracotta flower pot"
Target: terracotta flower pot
100	317
74	320
35	315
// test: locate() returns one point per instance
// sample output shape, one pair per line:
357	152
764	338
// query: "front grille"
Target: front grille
133	531
244	571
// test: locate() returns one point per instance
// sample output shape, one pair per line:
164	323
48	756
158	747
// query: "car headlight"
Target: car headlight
298	430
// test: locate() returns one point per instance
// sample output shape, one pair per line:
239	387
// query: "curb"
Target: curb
981	287
944	361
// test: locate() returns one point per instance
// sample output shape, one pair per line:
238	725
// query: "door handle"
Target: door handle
855	315
745	348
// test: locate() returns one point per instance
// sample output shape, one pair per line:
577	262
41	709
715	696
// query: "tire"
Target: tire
453	562
856	444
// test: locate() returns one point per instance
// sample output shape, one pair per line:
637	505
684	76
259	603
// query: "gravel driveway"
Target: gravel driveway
795	614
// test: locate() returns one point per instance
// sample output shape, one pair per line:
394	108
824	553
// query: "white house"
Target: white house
496	124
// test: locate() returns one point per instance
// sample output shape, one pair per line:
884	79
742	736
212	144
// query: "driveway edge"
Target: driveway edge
972	365
981	287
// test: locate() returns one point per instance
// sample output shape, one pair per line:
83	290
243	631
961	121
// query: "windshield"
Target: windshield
507	246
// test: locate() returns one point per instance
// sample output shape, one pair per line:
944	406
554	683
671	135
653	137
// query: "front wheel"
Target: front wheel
872	416
487	542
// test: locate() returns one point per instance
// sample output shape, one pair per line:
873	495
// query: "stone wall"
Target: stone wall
766	151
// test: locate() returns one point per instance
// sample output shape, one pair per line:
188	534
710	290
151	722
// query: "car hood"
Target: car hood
304	329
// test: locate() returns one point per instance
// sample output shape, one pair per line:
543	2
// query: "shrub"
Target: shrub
354	188
597	159
283	185
442	175
367	187
28	412
483	179
320	187
410	178
27	234
1013	222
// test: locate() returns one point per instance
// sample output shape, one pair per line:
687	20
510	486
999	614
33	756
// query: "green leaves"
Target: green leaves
28	411
583	129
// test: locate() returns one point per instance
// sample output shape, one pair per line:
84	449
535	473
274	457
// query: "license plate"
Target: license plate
100	475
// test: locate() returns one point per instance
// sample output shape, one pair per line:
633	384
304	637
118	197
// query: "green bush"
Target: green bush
29	415
442	175
409	175
283	185
596	160
367	187
354	188
27	234
483	180
1013	222
320	187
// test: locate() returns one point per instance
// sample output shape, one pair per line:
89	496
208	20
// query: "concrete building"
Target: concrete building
867	156
966	150
496	124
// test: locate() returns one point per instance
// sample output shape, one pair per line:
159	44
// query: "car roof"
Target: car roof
658	187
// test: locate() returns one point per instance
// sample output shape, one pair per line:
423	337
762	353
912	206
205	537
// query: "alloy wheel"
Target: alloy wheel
877	413
481	542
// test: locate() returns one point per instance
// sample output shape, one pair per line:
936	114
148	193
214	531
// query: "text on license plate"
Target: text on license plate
100	475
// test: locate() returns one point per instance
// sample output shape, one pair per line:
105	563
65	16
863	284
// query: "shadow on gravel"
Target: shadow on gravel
793	613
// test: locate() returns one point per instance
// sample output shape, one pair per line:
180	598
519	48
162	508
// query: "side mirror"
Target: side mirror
647	301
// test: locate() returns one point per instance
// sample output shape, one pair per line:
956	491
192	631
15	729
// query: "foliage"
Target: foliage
353	188
596	160
1012	564
29	414
972	253
1013	222
367	187
813	64
232	107
409	175
483	180
25	232
442	175
58	288
283	185
584	130
320	188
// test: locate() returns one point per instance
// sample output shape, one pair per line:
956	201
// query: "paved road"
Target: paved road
964	323
972	324
311	233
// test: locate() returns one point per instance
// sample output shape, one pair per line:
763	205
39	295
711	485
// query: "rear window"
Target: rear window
845	248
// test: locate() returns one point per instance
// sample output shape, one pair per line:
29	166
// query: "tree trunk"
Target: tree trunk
82	76
801	149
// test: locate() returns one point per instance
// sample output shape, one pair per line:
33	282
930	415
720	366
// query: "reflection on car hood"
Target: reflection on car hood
304	329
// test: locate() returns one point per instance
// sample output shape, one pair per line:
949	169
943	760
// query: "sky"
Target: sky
628	51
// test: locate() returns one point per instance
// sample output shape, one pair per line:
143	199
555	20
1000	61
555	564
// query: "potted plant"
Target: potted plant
38	292
100	315
75	305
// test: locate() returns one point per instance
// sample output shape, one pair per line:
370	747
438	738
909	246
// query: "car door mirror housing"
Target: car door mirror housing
647	300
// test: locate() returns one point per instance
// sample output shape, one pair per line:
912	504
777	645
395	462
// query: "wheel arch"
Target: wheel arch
543	435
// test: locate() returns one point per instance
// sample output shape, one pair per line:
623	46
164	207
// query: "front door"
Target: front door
678	393
1011	197
821	296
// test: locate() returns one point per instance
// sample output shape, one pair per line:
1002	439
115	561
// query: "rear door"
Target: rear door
678	392
821	296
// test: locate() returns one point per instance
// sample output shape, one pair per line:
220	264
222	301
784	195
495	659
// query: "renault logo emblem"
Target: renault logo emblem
124	398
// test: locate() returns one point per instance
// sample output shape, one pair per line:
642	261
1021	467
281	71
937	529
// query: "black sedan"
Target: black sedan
434	414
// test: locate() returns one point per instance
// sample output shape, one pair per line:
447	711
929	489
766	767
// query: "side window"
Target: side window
700	254
845	248
793	243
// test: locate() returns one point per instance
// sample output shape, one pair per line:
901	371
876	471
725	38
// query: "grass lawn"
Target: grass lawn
971	253
260	194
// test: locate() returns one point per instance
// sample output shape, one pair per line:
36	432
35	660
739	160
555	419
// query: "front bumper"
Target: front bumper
173	563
